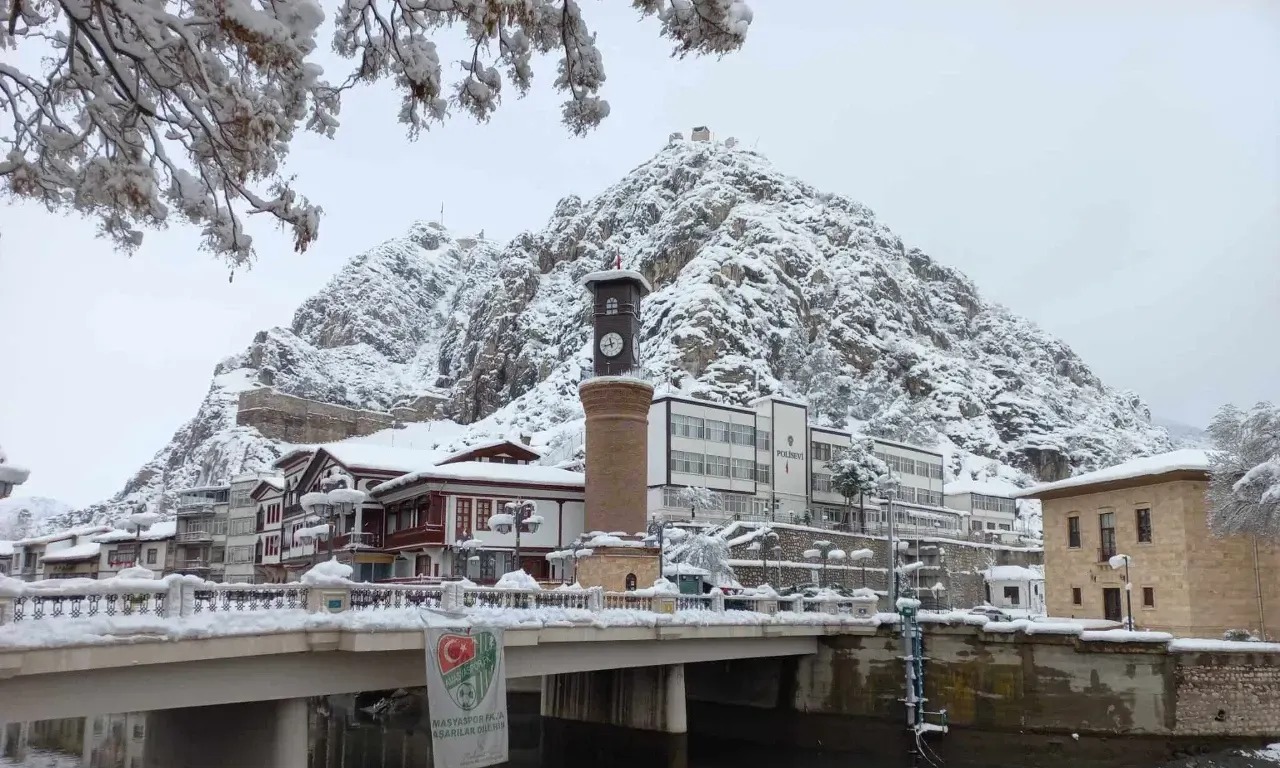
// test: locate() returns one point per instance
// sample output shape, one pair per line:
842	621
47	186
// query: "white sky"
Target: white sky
1113	174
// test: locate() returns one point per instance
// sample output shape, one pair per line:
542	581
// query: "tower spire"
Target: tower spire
617	264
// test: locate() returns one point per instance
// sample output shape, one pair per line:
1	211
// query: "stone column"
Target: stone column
617	448
263	734
591	717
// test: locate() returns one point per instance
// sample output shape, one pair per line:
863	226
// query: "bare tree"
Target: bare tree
1244	486
147	109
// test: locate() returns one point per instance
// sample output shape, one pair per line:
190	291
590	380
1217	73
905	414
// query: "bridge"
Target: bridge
214	659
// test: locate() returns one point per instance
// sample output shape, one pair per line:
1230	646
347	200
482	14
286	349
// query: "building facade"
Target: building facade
992	509
768	462
241	545
1182	578
74	553
151	549
201	537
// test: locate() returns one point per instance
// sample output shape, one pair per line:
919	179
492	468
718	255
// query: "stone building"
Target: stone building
951	575
294	419
1183	579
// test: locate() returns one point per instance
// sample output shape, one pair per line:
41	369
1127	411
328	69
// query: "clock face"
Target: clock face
611	344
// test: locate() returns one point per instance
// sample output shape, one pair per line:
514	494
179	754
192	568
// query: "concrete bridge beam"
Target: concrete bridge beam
263	734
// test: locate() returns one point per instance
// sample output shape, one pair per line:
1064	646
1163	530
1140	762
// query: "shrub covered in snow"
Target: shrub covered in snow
329	573
517	580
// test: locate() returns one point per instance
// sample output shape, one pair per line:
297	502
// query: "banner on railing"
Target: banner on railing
467	697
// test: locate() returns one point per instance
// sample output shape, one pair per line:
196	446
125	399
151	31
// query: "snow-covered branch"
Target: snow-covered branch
147	111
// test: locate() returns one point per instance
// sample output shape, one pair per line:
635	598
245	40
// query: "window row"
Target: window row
719	466
1107	548
905	466
717	431
985	503
1109	595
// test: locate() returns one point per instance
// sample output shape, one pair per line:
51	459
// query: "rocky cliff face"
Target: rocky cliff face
761	284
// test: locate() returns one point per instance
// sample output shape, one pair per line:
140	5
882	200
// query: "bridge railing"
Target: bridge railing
182	596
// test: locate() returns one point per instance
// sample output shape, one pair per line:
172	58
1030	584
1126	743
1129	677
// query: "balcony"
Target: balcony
201	509
200	564
423	535
367	539
194	536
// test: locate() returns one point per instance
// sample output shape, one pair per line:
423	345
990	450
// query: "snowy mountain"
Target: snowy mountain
1184	435
24	516
761	284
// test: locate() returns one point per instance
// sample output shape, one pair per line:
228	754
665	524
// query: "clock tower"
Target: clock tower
616	403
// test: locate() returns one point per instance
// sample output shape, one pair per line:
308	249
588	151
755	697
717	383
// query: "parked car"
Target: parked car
992	613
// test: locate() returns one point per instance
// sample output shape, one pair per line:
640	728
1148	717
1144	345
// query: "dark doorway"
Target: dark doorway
1112	610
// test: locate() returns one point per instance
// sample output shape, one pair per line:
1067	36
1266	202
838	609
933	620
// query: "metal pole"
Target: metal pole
893	560
520	512
333	528
1128	592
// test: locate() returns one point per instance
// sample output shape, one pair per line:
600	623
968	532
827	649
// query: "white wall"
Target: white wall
657	468
548	535
1030	594
790	454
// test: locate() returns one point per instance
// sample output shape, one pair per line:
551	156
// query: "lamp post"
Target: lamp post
136	523
11	476
519	514
464	549
824	550
765	543
1116	562
890	489
320	510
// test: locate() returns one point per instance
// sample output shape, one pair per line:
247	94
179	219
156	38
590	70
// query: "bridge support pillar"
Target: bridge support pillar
263	734
643	707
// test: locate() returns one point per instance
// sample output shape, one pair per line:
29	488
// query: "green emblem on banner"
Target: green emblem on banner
467	664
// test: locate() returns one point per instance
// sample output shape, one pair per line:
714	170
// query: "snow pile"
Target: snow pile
136	572
518	580
329	573
1014	573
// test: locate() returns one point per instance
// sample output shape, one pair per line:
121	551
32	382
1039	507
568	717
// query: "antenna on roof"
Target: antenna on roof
442	213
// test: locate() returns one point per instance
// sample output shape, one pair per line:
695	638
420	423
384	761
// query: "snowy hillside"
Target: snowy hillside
24	516
1184	435
761	284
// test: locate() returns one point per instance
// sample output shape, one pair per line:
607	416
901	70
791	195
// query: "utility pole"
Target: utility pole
893	556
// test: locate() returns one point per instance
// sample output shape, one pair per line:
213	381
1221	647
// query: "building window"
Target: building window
742	434
1005	527
1073	532
671	497
1012	595
821	482
462	519
687	426
717	466
717	431
762	474
241	526
484	510
688	463
820	451
611	306
1077	596
737	503
762	439
1106	535
151	555
1144	525
1148	597
743	469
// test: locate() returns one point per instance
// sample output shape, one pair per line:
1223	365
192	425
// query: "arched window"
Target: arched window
631	582
611	306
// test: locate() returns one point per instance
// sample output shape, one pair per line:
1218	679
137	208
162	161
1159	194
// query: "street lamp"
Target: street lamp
889	487
465	549
765	543
567	556
519	514
824	550
1122	561
11	476
136	523
320	511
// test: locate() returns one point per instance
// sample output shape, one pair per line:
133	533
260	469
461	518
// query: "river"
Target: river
345	735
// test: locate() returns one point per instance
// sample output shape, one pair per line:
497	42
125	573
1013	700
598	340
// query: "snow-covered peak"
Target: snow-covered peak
762	284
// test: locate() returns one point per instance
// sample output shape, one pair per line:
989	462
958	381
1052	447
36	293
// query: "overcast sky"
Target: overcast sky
1113	174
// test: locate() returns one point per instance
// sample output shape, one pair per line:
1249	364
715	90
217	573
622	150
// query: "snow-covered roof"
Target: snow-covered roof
1185	460
607	275
83	530
780	399
486	445
13	474
683	569
275	481
6	548
368	456
482	471
78	552
1014	573
164	529
989	487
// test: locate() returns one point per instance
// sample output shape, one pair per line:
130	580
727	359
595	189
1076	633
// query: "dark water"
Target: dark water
346	734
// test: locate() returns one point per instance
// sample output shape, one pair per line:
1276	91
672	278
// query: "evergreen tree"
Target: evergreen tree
857	471
699	499
1244	486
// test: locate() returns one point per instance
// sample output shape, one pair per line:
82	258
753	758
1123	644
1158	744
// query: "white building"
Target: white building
990	507
241	546
201	538
74	554
152	549
767	462
1016	587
